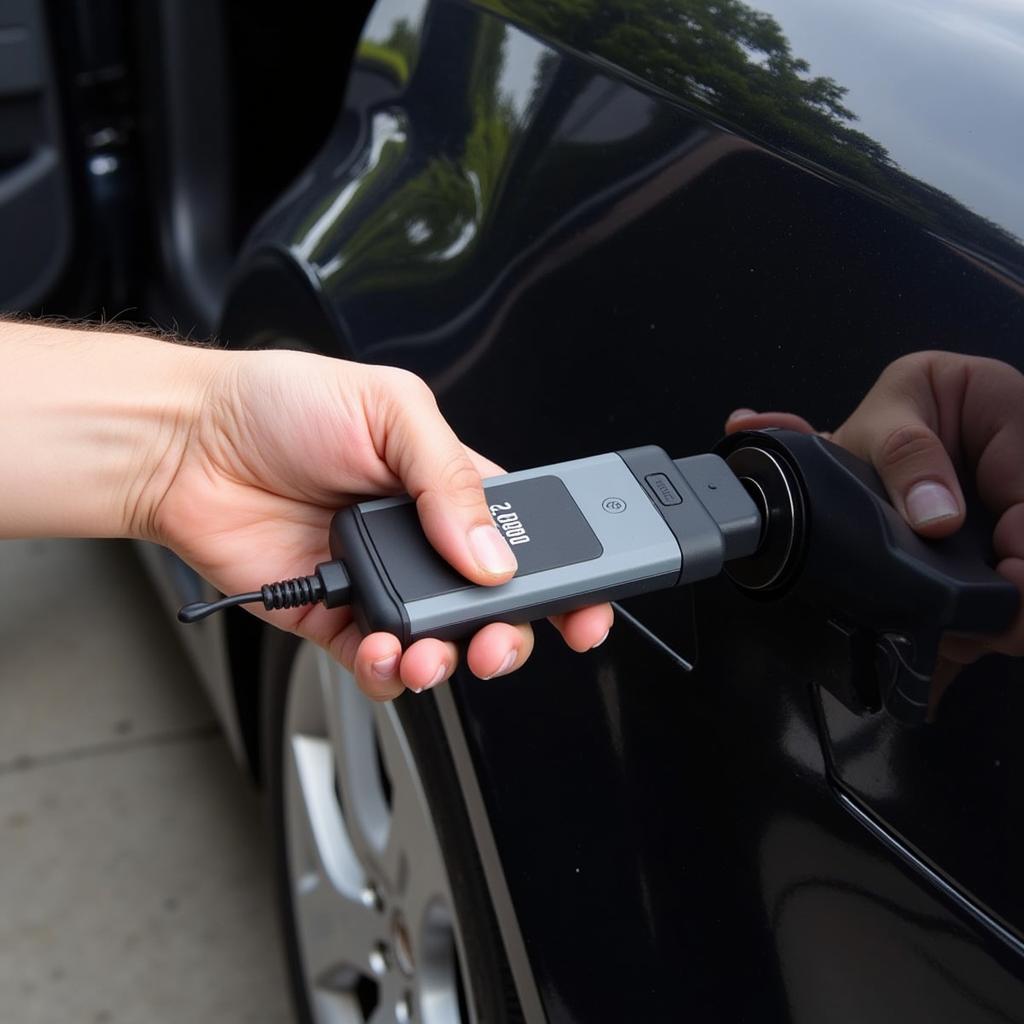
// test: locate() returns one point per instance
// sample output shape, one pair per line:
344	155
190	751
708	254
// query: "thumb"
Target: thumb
438	472
913	464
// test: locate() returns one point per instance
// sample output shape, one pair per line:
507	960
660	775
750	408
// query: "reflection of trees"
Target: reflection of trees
318	232
735	62
722	55
396	54
431	220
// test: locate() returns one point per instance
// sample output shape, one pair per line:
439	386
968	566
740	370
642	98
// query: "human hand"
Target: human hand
286	438
929	418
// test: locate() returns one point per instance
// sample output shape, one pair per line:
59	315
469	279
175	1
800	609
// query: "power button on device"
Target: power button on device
663	489
613	505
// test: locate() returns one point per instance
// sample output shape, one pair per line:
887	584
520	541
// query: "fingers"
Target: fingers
427	663
891	431
895	428
376	666
1008	536
585	629
383	672
924	407
913	463
961	648
747	419
440	475
499	649
1012	641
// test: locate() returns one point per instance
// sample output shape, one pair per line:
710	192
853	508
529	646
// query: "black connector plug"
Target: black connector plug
329	585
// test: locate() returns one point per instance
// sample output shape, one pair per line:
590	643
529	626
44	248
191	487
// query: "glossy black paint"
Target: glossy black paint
915	105
676	851
849	552
581	255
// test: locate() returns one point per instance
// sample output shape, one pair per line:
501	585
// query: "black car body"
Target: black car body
595	226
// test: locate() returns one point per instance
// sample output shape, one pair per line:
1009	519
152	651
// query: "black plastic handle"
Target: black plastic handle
855	556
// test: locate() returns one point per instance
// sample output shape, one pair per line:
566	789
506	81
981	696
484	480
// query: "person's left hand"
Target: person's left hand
929	416
283	441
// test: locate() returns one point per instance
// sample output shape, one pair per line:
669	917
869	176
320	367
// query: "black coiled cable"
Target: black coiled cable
329	584
291	593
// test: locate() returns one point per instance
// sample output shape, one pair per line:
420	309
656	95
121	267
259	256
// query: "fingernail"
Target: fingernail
601	641
493	555
505	666
385	667
929	501
737	414
442	671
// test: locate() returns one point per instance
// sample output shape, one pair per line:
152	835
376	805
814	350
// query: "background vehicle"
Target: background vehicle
588	227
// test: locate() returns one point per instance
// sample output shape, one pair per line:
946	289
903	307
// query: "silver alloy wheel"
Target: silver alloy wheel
371	899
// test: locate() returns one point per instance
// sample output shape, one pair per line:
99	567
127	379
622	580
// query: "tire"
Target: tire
384	910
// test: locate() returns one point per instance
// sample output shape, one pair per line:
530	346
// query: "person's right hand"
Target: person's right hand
284	439
930	418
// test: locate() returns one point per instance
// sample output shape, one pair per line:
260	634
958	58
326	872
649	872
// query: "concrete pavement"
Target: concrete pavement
133	873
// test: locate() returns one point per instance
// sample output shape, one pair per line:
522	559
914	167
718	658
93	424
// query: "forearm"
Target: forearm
92	426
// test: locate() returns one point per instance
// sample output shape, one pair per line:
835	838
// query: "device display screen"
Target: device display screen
538	517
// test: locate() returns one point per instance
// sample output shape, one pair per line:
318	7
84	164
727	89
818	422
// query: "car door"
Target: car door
36	222
593	230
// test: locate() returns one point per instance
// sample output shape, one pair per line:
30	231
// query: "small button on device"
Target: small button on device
663	489
613	505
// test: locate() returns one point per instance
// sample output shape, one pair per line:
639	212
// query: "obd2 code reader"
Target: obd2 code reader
777	510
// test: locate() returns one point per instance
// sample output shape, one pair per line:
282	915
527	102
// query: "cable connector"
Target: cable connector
329	585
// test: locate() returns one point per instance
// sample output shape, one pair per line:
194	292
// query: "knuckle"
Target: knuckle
409	383
461	482
905	374
400	390
913	362
344	647
904	444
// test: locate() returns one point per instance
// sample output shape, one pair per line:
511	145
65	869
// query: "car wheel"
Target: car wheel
383	903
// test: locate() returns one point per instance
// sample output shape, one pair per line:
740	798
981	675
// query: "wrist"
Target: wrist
169	419
95	425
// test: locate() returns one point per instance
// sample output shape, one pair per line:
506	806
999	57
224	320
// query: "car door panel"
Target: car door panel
677	837
579	261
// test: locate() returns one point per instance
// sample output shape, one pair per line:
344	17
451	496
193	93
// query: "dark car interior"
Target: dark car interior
113	115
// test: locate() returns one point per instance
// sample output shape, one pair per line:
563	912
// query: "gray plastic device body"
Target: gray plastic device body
594	529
